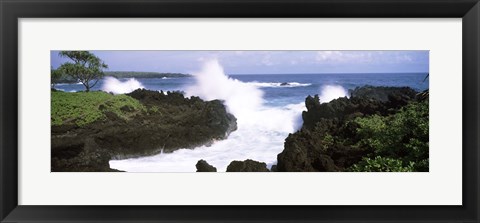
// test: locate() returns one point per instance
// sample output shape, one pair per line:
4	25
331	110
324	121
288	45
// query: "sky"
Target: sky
264	62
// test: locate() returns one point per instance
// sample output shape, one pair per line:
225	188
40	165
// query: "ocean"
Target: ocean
267	106
299	85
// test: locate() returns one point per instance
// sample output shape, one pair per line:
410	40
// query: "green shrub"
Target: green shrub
328	141
382	164
399	140
371	132
154	109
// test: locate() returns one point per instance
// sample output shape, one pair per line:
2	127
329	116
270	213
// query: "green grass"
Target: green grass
82	108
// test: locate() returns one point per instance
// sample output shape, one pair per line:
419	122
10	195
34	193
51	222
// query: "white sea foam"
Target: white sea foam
330	92
260	135
61	84
241	99
279	84
64	90
113	85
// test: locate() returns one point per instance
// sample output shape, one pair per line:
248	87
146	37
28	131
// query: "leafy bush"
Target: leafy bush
381	164
400	141
328	141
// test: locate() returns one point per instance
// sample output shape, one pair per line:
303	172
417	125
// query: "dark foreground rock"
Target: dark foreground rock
170	122
384	94
366	100
203	166
328	139
274	168
247	166
83	156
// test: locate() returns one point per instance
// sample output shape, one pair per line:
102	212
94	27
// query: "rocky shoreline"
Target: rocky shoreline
170	122
375	129
334	136
330	139
235	166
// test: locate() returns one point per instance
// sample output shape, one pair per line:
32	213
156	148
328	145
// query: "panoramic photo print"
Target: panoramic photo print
239	111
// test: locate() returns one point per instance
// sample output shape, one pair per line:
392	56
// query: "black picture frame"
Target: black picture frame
12	10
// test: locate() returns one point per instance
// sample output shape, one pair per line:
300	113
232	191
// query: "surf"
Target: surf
261	132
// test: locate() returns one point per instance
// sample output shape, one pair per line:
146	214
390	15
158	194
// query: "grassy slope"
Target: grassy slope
82	108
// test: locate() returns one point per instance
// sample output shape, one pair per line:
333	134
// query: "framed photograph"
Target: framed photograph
227	111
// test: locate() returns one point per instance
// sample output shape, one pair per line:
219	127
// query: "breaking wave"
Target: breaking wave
260	135
330	92
113	85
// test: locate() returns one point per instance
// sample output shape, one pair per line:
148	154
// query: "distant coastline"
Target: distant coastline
131	74
136	74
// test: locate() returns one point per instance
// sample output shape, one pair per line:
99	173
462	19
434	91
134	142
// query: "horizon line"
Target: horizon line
160	72
337	73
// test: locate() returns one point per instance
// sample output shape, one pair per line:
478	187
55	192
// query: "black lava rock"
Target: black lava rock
247	166
170	122
203	166
312	147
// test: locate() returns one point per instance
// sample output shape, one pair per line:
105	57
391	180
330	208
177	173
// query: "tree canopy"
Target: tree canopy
86	67
55	76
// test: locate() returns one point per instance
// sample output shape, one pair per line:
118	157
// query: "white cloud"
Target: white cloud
324	56
403	58
355	57
251	61
363	57
267	60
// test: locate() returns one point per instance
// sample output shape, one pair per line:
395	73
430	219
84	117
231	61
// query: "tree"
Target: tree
55	75
424	94
86	67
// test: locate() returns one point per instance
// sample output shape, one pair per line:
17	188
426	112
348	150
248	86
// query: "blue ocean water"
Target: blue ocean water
297	86
310	84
